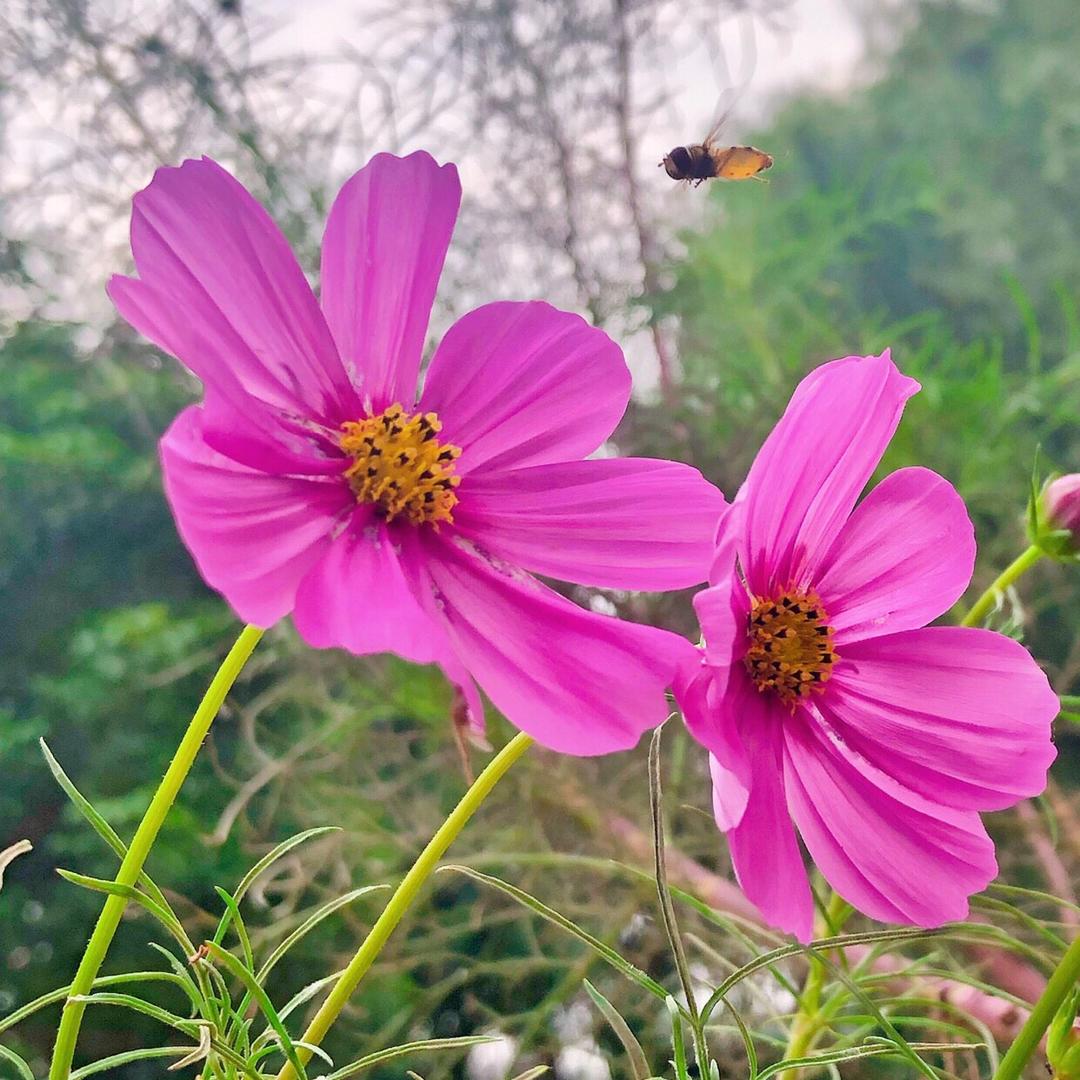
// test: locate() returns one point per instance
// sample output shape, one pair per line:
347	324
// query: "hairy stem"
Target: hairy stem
1065	977
809	1020
1019	566
403	897
145	835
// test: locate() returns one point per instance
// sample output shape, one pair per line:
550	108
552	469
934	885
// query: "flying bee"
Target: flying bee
707	161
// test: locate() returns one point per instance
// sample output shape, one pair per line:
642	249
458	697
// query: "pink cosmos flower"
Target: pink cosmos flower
825	701
314	480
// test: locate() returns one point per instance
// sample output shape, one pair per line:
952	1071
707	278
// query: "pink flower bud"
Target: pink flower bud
1061	503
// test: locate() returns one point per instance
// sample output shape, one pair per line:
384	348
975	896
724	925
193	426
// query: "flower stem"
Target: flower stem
132	864
808	1021
403	897
1020	565
1065	977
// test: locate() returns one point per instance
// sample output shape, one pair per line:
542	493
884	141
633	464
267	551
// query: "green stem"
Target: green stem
403	897
1065	977
809	1021
1020	565
145	835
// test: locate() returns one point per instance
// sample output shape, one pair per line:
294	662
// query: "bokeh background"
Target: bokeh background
924	197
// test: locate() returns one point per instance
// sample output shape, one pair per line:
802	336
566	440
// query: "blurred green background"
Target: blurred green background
930	205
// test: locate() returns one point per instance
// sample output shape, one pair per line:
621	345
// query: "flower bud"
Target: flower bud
1055	523
1062	503
1063	1041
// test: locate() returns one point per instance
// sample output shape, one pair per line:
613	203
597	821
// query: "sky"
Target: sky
817	43
814	44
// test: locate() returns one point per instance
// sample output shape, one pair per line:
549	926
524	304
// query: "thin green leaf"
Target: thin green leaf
639	1065
678	1047
262	866
748	1042
241	929
308	992
304	928
533	1073
903	1046
775	955
238	970
667	909
114	888
147	1008
97	822
832	1057
60	994
268	1043
21	1066
424	1046
272	857
311	922
538	907
183	974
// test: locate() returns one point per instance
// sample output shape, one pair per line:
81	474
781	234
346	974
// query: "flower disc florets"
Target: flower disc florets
400	465
791	646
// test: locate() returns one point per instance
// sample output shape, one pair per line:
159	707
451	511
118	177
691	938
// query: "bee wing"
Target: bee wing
732	95
726	105
741	162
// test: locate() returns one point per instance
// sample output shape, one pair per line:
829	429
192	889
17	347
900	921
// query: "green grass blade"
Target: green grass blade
785	951
116	1060
424	1046
551	915
237	969
311	922
262	866
97	822
162	914
60	994
308	992
272	857
21	1066
639	1065
238	924
147	1008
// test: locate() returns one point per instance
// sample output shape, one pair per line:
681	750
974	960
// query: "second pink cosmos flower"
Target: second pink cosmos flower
825	700
315	480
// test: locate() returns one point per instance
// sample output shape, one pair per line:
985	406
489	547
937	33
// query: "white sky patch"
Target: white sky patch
812	44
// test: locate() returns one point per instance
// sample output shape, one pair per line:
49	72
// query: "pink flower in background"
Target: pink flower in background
314	480
826	703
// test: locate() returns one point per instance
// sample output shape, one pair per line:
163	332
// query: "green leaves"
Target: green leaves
217	984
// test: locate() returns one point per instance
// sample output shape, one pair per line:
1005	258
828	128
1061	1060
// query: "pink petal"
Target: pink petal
253	535
811	469
713	718
623	523
893	854
722	611
519	384
764	848
959	715
267	441
357	597
578	682
220	289
729	533
903	558
383	251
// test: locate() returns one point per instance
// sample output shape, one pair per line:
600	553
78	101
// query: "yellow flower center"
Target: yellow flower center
400	465
791	646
